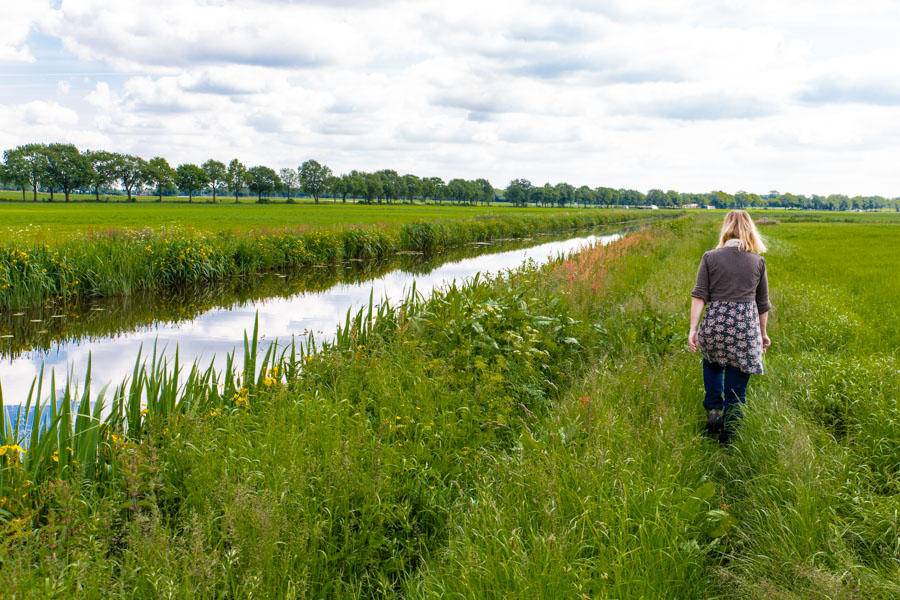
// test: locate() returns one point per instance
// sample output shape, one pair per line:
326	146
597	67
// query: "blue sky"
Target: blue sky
800	96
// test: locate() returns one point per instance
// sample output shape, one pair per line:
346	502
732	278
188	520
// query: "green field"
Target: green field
533	436
59	221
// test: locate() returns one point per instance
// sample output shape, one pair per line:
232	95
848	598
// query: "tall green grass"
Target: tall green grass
126	261
533	435
815	479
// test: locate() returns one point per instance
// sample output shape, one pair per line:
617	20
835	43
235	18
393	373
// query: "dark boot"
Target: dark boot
714	419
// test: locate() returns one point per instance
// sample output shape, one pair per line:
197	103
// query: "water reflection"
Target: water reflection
209	321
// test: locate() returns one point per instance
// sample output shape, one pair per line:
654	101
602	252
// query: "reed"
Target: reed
124	262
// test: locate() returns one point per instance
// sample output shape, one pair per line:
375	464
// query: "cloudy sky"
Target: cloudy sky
755	95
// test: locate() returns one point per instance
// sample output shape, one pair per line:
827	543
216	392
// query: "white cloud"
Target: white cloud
19	18
691	95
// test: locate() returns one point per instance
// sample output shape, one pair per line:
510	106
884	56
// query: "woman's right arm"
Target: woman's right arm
697	305
699	297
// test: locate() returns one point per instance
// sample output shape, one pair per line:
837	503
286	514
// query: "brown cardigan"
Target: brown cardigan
730	274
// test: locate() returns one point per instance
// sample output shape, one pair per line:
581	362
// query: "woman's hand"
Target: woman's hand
766	342
693	339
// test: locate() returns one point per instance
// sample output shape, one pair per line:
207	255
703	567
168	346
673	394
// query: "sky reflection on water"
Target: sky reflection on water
218	331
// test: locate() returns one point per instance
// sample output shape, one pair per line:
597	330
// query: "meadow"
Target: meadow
534	435
58	222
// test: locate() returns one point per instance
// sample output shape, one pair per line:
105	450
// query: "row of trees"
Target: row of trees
63	168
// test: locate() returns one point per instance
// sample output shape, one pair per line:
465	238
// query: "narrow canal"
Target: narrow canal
207	323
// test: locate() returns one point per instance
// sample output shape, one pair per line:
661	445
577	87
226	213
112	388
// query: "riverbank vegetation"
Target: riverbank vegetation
120	262
55	223
534	435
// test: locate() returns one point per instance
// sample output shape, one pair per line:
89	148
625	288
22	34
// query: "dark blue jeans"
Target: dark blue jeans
726	389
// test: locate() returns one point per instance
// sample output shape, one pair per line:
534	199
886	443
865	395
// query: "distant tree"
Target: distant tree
742	199
550	194
839	202
104	169
236	178
607	196
456	190
161	174
357	184
373	187
132	172
391	185
190	178
290	180
348	186
68	169
33	161
412	186
216	173
519	192
565	194
657	197
441	192
486	191
334	186
312	178
262	180
631	198
426	188
20	168
585	196
720	199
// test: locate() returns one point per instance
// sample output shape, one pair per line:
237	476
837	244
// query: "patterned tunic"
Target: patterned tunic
730	335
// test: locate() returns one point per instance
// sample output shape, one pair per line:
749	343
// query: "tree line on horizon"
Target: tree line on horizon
62	168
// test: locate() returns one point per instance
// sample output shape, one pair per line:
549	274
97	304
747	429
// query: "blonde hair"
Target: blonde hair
738	225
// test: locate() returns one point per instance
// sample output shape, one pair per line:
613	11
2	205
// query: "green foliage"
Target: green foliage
132	171
160	174
190	178
123	262
313	178
67	168
262	181
236	177
216	173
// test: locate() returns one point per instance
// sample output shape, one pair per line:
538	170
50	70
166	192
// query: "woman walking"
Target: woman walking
732	284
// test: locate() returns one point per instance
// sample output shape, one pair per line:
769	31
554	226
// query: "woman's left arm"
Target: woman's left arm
763	306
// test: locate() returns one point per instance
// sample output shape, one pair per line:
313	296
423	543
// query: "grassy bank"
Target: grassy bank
124	261
54	223
536	435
